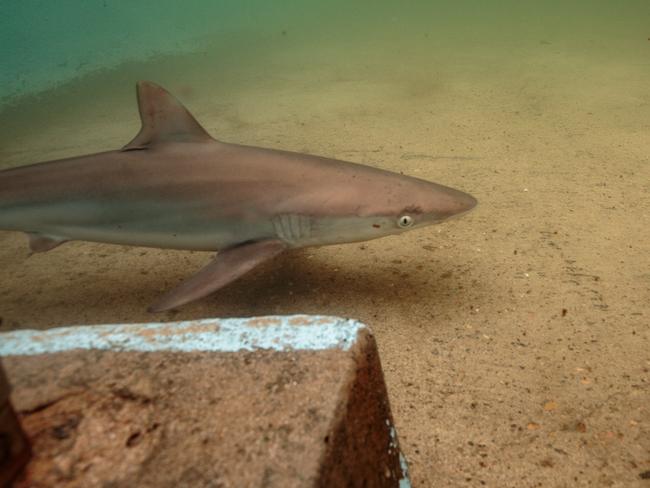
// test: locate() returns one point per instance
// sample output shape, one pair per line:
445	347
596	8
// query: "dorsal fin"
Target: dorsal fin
163	119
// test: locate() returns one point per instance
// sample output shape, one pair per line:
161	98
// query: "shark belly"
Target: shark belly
135	224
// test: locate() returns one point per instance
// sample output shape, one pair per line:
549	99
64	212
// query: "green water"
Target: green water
255	62
264	43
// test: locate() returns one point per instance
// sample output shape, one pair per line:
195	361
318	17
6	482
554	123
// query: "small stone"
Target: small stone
550	406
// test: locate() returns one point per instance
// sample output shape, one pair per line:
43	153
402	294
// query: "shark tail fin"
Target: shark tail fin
163	118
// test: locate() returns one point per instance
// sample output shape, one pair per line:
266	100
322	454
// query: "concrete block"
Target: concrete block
271	401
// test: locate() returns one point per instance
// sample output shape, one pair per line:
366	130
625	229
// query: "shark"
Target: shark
176	187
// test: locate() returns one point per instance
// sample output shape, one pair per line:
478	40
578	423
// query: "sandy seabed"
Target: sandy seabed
515	341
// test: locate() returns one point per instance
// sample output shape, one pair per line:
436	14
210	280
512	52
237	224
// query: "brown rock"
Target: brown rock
14	449
287	418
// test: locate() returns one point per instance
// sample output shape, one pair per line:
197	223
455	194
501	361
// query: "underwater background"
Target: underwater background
515	340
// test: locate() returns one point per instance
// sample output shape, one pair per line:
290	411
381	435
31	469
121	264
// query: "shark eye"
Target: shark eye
405	221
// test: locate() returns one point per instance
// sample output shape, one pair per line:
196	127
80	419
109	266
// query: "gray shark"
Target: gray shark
173	186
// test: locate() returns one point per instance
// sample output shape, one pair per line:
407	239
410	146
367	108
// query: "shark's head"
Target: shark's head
426	203
380	203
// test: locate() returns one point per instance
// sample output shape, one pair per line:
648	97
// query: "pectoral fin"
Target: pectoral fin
41	243
227	266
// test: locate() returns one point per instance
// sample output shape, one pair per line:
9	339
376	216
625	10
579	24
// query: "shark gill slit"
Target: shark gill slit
294	223
292	228
286	221
305	226
279	228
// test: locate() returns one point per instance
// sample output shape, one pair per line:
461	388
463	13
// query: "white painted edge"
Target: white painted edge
276	333
405	481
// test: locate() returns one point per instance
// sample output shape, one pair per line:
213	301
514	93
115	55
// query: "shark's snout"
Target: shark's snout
464	202
459	203
444	202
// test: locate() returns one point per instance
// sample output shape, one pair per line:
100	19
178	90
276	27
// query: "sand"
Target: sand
515	340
